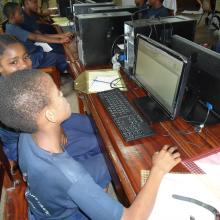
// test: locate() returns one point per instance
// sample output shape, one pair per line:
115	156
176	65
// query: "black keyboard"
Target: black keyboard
126	118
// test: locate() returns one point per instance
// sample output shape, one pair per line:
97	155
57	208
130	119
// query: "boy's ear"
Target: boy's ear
50	116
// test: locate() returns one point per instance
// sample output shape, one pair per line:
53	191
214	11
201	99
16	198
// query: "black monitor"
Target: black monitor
83	8
163	73
203	85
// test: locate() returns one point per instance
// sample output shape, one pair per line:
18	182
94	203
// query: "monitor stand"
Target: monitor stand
151	111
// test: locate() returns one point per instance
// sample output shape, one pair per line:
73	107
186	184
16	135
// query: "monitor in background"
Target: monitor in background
96	34
163	74
131	9
83	8
160	30
64	8
204	80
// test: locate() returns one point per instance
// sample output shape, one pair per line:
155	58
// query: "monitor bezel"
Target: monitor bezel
183	78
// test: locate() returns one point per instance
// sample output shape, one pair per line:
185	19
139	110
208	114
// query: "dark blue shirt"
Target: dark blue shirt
9	139
30	22
155	12
22	35
58	185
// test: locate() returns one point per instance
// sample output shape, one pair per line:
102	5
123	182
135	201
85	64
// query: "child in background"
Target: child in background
78	136
39	58
33	23
32	20
58	186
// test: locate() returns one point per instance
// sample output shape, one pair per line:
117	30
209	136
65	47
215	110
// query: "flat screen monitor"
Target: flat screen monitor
163	73
204	78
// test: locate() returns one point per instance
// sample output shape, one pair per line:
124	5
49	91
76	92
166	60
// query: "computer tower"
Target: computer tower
96	34
84	7
160	30
131	9
64	7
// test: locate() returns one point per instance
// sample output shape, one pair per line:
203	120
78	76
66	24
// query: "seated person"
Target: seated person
33	21
58	187
39	58
154	9
78	136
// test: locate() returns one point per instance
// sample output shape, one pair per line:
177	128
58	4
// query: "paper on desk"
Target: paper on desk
62	21
189	185
85	81
210	164
103	83
46	47
121	46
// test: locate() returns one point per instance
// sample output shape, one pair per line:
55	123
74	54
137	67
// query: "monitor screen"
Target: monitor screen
160	71
204	77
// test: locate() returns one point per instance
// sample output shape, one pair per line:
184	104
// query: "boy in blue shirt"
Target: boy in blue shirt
39	58
33	23
58	187
154	9
78	135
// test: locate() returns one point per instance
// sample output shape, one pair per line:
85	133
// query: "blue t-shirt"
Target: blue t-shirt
58	186
22	35
30	22
155	12
9	138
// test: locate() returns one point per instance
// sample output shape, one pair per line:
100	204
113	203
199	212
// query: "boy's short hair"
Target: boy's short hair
9	9
23	96
6	40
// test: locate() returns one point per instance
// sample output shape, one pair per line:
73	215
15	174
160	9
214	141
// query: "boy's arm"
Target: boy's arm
47	39
142	206
67	34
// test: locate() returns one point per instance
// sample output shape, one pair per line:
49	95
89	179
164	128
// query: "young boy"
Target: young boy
155	10
39	58
58	186
32	21
78	136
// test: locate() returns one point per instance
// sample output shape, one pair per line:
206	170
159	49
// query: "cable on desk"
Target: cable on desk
115	41
113	84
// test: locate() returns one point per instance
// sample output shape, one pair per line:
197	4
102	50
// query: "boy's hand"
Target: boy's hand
64	40
67	34
166	159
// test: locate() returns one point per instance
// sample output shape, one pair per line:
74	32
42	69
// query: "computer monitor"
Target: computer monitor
163	73
204	80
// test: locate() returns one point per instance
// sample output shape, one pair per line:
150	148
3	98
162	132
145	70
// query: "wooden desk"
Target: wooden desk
75	67
126	160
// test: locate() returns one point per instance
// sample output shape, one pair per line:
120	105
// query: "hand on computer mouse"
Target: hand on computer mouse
166	159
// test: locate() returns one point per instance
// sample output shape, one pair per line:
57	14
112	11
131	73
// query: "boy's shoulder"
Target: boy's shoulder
64	164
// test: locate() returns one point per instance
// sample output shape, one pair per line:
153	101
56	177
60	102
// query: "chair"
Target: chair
54	73
13	202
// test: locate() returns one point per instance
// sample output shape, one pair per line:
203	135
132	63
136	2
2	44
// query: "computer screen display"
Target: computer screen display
160	71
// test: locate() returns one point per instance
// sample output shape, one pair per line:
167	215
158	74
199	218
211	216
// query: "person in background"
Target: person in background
58	187
33	21
39	58
154	9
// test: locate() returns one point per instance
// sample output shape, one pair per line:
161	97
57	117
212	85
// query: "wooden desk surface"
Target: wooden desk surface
128	159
